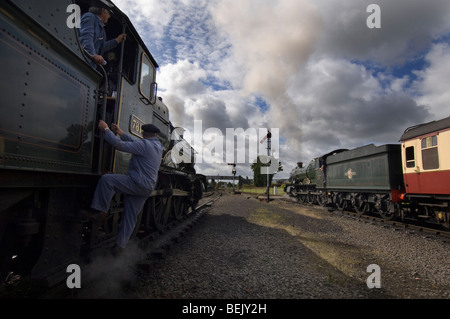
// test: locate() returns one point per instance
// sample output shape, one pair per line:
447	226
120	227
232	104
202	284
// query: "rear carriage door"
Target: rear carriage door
411	167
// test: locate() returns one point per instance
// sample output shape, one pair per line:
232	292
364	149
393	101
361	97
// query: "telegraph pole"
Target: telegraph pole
269	136
233	171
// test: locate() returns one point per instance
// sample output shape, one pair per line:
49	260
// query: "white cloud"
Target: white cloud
433	82
149	15
327	79
182	78
270	40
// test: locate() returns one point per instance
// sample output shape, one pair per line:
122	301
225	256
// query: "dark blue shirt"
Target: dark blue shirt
92	36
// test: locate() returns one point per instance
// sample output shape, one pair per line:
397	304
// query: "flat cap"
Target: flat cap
150	128
100	4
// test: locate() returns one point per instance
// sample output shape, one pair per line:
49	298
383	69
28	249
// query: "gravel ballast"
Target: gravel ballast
245	248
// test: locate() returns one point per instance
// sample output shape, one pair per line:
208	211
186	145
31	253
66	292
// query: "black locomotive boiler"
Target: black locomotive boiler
51	152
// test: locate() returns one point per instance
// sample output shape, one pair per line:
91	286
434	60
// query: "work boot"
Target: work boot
95	216
117	251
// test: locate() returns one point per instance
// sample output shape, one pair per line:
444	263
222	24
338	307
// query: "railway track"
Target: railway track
140	255
175	231
412	226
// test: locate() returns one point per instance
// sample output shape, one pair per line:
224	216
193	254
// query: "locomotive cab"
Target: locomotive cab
127	90
123	59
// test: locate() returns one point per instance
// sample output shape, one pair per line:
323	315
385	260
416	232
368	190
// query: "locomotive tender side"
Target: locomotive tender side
36	67
365	178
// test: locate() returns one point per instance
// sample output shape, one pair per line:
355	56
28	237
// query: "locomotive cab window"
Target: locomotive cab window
130	52
410	160
147	85
130	55
430	156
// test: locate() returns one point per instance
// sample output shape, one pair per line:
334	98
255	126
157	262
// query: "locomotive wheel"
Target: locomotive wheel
322	199
359	205
159	207
383	208
180	207
341	202
301	199
178	202
310	199
386	215
198	193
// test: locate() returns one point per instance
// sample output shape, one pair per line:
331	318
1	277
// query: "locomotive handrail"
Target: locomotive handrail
105	101
105	90
117	100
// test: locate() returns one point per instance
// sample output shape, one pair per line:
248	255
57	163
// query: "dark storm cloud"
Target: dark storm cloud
407	28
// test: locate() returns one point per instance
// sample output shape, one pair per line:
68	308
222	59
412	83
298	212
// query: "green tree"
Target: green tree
260	180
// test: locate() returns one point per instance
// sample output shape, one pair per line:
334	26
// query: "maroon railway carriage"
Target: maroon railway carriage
426	169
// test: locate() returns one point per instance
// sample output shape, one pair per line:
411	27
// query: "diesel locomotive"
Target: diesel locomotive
406	180
51	152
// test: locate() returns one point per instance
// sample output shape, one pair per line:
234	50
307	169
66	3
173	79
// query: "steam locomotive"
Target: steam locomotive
51	152
407	180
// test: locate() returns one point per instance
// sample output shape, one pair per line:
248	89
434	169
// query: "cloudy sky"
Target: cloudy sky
310	70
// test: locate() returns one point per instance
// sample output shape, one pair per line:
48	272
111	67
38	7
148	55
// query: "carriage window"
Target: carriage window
147	79
430	156
410	162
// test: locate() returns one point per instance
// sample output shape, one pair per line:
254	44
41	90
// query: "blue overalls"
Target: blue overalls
136	185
